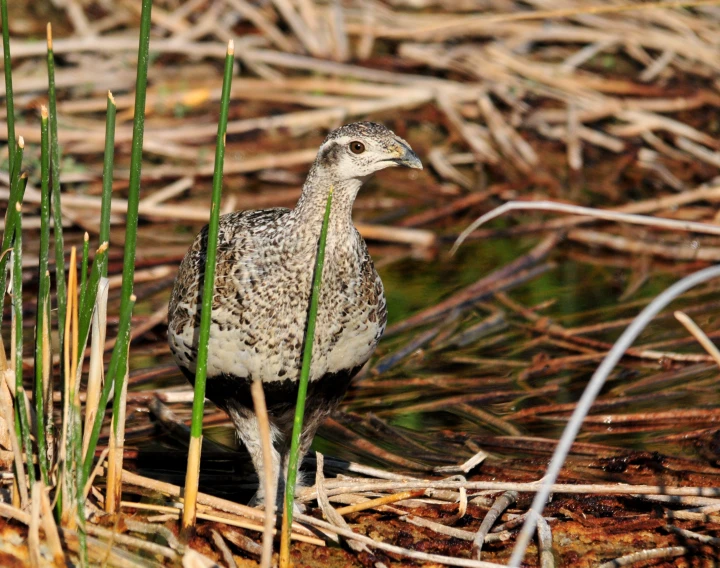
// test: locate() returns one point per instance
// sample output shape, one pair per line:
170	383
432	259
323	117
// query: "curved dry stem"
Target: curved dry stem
590	394
671	224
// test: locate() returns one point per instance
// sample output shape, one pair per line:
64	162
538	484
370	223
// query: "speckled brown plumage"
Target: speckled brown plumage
264	269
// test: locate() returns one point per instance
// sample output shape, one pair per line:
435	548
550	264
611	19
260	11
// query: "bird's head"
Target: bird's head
358	150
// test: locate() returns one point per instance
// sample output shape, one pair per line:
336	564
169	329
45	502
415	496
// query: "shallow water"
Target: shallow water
422	411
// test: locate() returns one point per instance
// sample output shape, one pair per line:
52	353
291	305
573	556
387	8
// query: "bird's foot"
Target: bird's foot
258	502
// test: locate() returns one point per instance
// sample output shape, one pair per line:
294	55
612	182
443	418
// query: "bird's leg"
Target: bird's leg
246	426
313	419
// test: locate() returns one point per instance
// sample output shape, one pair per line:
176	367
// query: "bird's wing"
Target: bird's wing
237	237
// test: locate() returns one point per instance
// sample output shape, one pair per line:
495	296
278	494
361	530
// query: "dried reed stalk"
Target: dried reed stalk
97	368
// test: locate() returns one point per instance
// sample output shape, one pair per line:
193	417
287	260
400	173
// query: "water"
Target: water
443	398
574	293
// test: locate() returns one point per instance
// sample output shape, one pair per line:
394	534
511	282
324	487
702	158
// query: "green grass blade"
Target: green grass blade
17	192
193	469
79	484
302	388
136	154
60	284
131	222
9	101
43	365
56	207
43	295
127	300
21	410
15	197
87	299
108	173
87	305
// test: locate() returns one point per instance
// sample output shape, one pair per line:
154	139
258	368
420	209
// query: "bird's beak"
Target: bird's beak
410	160
407	157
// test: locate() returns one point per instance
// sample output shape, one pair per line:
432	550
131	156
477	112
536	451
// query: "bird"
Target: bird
263	278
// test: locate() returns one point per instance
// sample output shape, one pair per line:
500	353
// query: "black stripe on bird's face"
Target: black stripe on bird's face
331	154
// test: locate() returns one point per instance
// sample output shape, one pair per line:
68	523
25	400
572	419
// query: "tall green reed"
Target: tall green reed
193	468
108	163
20	407
76	304
131	224
302	389
17	190
60	288
42	373
9	101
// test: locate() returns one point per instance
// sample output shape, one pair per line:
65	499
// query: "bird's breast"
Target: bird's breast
260	316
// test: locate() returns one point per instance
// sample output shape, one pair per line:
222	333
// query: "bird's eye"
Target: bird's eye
357	147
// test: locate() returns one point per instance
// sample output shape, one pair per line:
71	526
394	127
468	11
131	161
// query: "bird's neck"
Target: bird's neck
310	209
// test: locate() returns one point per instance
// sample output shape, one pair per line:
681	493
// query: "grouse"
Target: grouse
263	278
